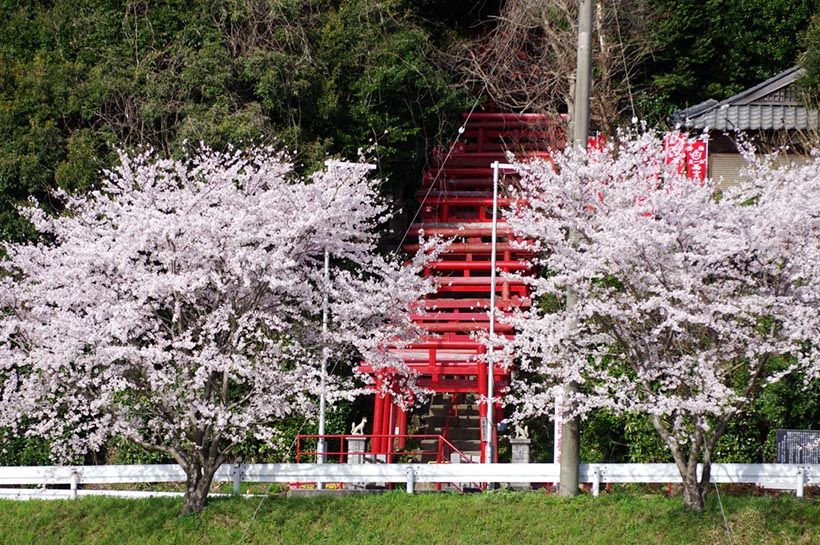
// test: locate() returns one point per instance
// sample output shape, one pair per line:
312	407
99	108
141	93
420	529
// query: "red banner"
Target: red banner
687	155
597	142
675	145
696	160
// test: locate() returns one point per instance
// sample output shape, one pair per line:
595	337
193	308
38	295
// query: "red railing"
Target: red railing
443	454
338	453
453	409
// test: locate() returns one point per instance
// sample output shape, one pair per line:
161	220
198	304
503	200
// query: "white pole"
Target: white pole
321	447
557	427
489	455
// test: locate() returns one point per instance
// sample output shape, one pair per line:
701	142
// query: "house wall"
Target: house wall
725	168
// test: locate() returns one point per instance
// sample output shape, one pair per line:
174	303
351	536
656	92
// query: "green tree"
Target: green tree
714	49
319	76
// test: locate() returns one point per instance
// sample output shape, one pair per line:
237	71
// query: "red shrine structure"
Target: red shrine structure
456	202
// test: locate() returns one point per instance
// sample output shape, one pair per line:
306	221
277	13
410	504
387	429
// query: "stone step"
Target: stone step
463	429
464	445
470	445
440	422
463	434
460	410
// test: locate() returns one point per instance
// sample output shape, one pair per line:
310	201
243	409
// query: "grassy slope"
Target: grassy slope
428	519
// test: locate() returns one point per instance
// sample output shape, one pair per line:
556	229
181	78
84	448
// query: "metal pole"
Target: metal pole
571	433
321	447
583	75
489	456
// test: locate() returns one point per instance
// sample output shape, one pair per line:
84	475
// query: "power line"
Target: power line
441	168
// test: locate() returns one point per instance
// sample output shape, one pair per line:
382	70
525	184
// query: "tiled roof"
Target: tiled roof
753	117
769	105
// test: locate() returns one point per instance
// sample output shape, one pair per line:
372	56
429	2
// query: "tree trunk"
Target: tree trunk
692	489
197	486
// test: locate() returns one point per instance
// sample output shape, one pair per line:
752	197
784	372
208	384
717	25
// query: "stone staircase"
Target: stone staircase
458	421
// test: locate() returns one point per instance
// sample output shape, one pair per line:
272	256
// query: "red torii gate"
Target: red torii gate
457	200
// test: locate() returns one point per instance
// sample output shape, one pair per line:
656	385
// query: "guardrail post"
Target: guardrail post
801	481
596	482
411	480
236	477
75	481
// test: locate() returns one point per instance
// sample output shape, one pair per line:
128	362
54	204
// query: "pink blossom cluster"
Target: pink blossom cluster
180	306
660	295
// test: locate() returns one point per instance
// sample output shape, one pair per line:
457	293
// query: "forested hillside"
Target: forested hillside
714	49
78	77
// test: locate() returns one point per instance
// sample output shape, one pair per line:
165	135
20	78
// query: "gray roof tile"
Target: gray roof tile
749	111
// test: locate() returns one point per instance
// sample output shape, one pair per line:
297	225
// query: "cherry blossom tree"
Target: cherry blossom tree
180	306
687	303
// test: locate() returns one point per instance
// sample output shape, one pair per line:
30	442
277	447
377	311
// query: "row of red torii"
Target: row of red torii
457	203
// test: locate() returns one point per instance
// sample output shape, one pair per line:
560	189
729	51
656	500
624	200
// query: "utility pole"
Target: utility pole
583	75
571	432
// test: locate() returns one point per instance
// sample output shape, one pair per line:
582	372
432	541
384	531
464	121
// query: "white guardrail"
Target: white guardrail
791	476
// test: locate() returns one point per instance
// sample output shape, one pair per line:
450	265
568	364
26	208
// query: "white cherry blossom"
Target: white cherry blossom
180	305
688	302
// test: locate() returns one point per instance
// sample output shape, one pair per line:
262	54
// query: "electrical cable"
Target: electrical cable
461	130
441	168
626	67
267	492
723	514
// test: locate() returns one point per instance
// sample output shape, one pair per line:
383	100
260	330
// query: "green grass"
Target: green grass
396	518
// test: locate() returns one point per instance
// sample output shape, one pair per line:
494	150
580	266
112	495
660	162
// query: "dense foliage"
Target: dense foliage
715	49
324	76
810	61
77	77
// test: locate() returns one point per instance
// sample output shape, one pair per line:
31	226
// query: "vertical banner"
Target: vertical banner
675	147
696	160
687	156
558	428
597	142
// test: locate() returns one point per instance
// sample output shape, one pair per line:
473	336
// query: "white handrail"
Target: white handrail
795	476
